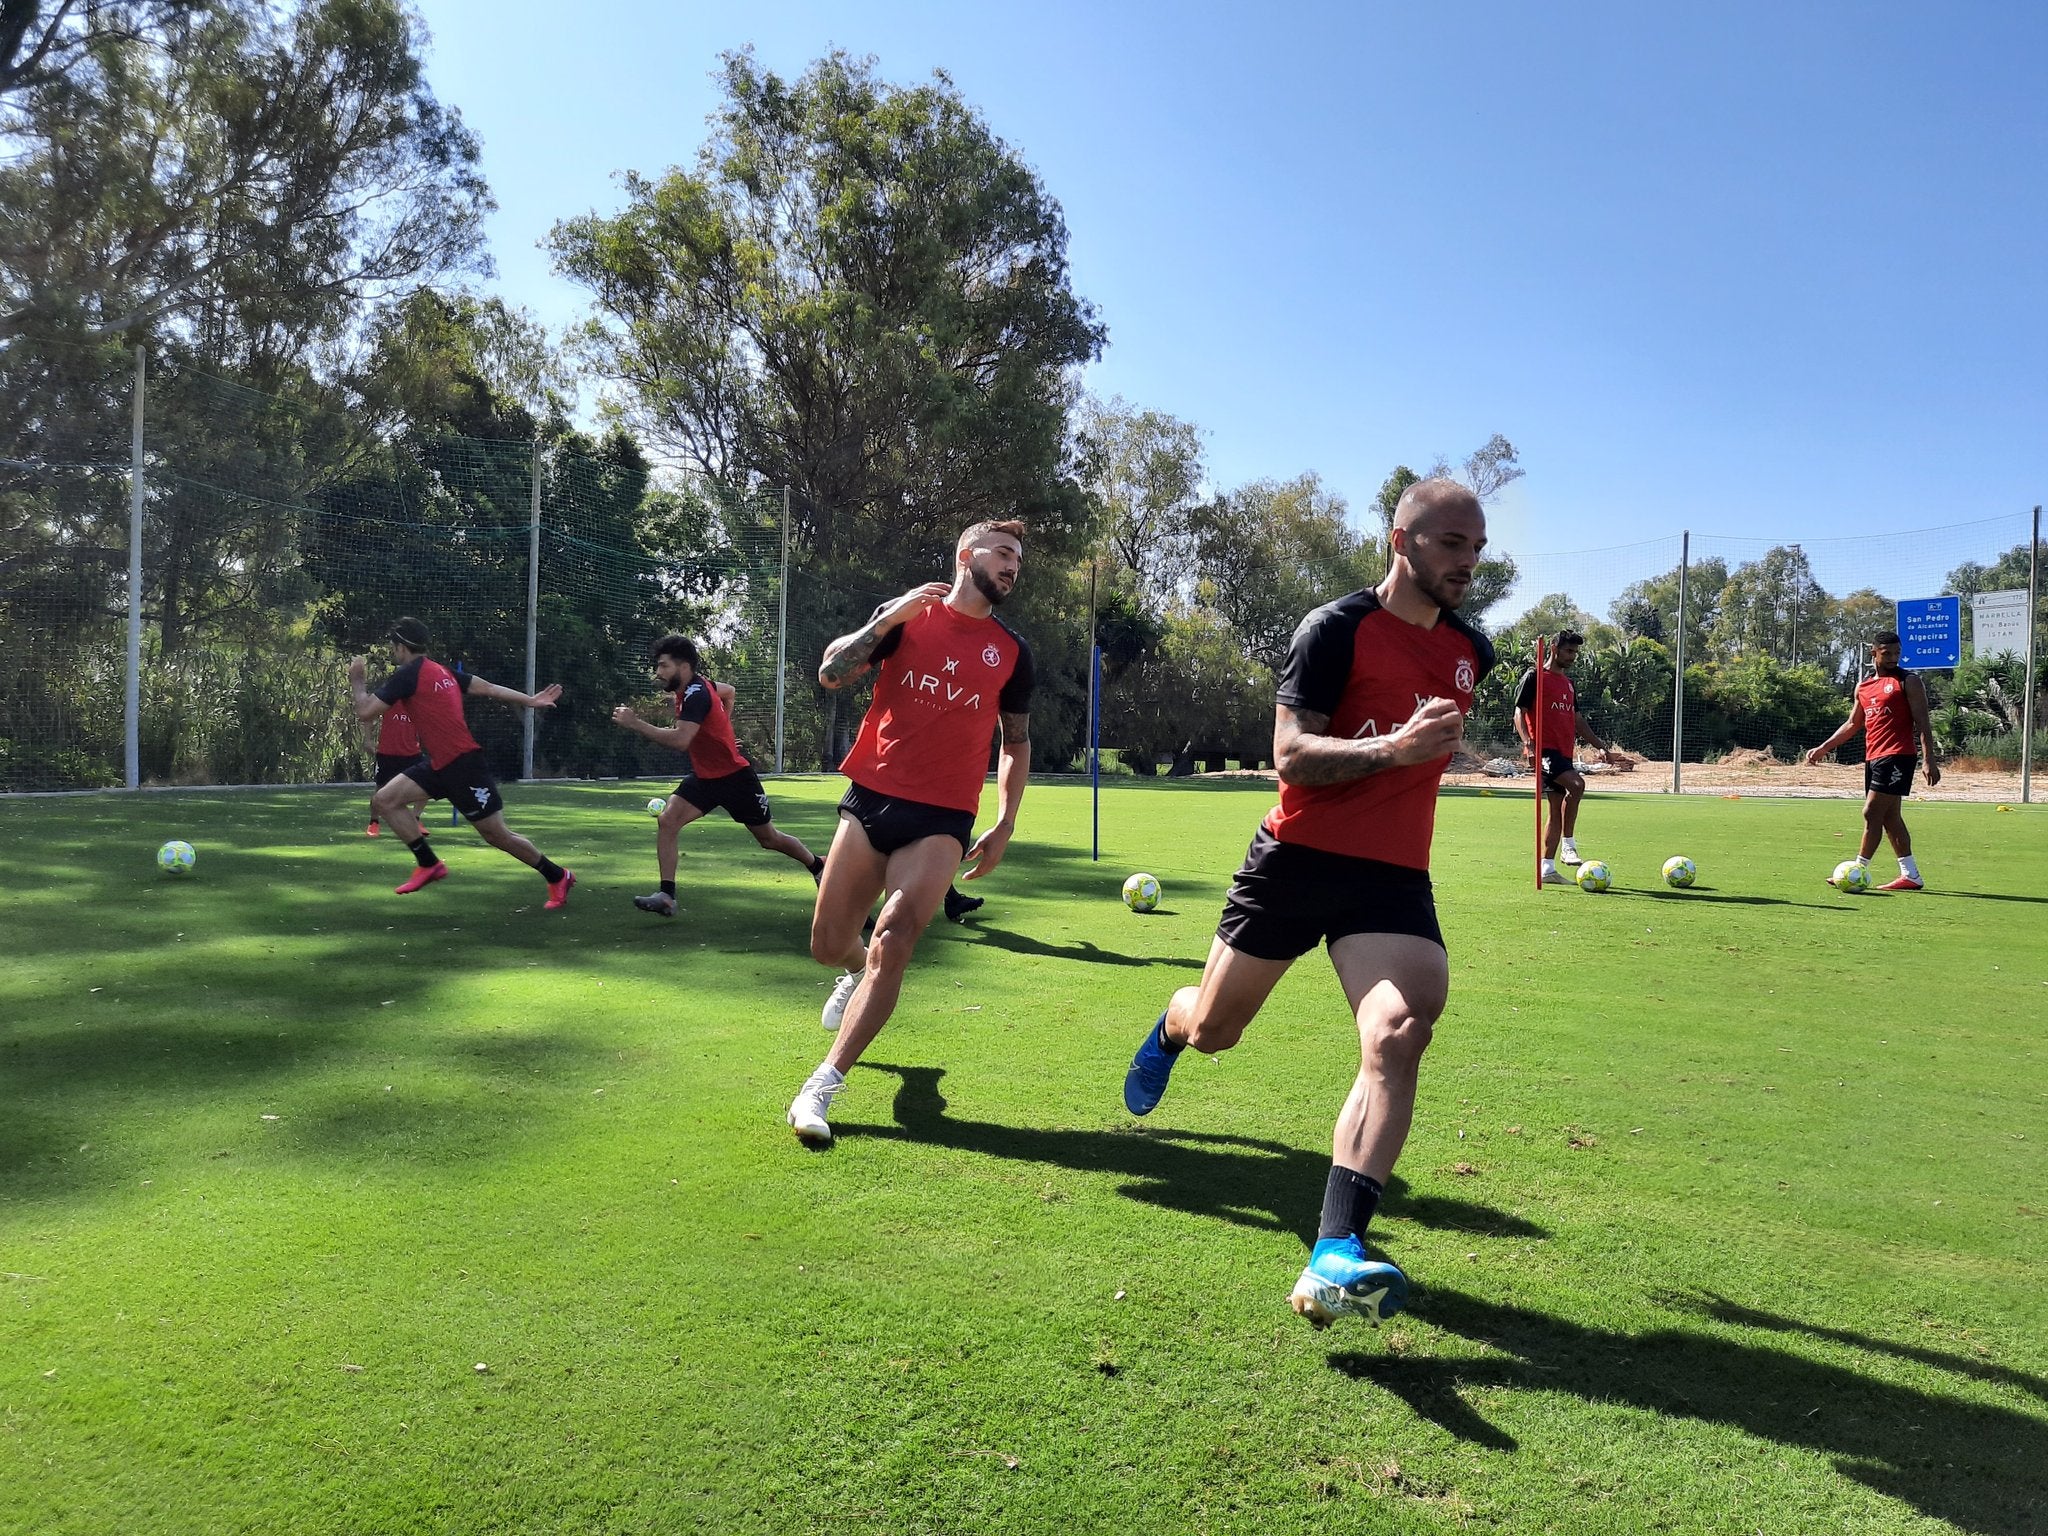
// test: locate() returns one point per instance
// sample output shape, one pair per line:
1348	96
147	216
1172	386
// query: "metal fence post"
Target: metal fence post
131	697
2033	647
532	618
782	631
1678	670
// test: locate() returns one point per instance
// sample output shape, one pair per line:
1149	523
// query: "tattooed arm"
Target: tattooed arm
847	657
1307	754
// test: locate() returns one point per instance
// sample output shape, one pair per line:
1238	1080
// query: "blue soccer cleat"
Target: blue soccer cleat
1340	1279
1145	1083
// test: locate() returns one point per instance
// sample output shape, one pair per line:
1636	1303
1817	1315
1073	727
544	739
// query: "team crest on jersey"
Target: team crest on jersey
991	655
1463	676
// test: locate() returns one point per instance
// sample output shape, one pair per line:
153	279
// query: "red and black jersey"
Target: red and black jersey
1887	715
942	680
714	752
1369	671
433	698
1560	727
395	735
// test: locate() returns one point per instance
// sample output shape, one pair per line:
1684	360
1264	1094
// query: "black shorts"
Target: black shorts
1555	763
739	795
1890	775
1287	899
891	823
465	784
390	765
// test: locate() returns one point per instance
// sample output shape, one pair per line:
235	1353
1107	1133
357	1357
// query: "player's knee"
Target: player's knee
826	947
1397	1040
765	834
895	941
1207	1025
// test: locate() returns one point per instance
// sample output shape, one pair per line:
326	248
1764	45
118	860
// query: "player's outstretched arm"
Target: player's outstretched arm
545	699
725	695
848	656
1013	771
368	706
678	736
1842	733
1307	754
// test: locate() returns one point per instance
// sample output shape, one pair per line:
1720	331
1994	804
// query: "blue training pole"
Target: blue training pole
1095	756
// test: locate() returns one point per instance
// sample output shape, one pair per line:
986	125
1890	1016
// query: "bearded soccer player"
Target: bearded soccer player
396	747
947	670
720	777
1891	712
453	767
1371	706
1558	778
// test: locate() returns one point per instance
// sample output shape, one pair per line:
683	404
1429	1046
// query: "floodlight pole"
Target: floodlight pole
1678	670
782	631
2033	647
532	617
131	702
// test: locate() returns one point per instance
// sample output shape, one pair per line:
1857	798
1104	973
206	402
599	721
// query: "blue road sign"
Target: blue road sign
1930	632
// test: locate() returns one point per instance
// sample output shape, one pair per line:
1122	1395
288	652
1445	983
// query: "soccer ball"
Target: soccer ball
176	857
656	807
1679	871
1850	878
1141	893
1594	877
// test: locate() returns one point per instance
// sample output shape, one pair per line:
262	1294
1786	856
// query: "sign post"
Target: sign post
1930	633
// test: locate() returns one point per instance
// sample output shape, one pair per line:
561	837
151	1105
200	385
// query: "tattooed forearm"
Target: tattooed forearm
847	657
1306	755
1016	729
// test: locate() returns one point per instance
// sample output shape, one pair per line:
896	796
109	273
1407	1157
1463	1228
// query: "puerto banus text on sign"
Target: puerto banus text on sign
1998	623
1930	632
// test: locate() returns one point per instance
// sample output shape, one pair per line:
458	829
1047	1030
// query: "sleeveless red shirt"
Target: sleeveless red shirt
1887	716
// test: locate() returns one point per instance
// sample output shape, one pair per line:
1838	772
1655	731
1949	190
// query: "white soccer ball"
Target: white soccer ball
1850	878
656	807
1679	871
1141	893
1594	877
176	857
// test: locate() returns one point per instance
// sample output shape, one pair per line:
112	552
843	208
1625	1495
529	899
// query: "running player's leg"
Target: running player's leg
490	826
915	884
676	814
1396	984
775	840
394	804
855	875
1212	1015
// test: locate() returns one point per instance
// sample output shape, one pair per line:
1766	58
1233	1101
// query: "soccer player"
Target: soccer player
396	746
1371	706
947	670
1558	778
453	766
719	776
1891	711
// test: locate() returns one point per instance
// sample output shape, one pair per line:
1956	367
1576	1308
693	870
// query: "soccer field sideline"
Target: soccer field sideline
988	1142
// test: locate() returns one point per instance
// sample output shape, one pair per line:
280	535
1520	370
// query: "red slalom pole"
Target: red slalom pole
1536	746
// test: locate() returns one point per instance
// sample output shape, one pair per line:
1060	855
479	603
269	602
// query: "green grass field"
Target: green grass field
1727	1209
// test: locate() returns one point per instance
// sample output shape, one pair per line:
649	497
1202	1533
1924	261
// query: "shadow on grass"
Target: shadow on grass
1982	1468
1245	1180
1080	950
1983	896
1708	893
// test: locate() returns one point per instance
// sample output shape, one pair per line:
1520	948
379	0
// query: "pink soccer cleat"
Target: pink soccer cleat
371	829
1903	883
558	892
424	877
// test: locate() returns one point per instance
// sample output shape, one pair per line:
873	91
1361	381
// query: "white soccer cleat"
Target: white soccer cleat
808	1109
842	994
1569	853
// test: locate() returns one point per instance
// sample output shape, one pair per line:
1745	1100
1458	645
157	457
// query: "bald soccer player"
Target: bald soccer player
1372	705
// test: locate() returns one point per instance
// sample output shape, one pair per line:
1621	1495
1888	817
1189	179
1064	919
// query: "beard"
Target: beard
1438	590
673	685
985	584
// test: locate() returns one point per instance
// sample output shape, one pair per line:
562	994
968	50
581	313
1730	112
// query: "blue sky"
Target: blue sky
1763	271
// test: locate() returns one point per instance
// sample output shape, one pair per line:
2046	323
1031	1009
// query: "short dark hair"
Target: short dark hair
679	646
1570	637
1885	637
410	633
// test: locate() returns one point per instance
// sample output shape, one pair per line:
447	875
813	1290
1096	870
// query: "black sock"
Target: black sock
1349	1200
422	854
1167	1043
550	871
668	889
817	864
